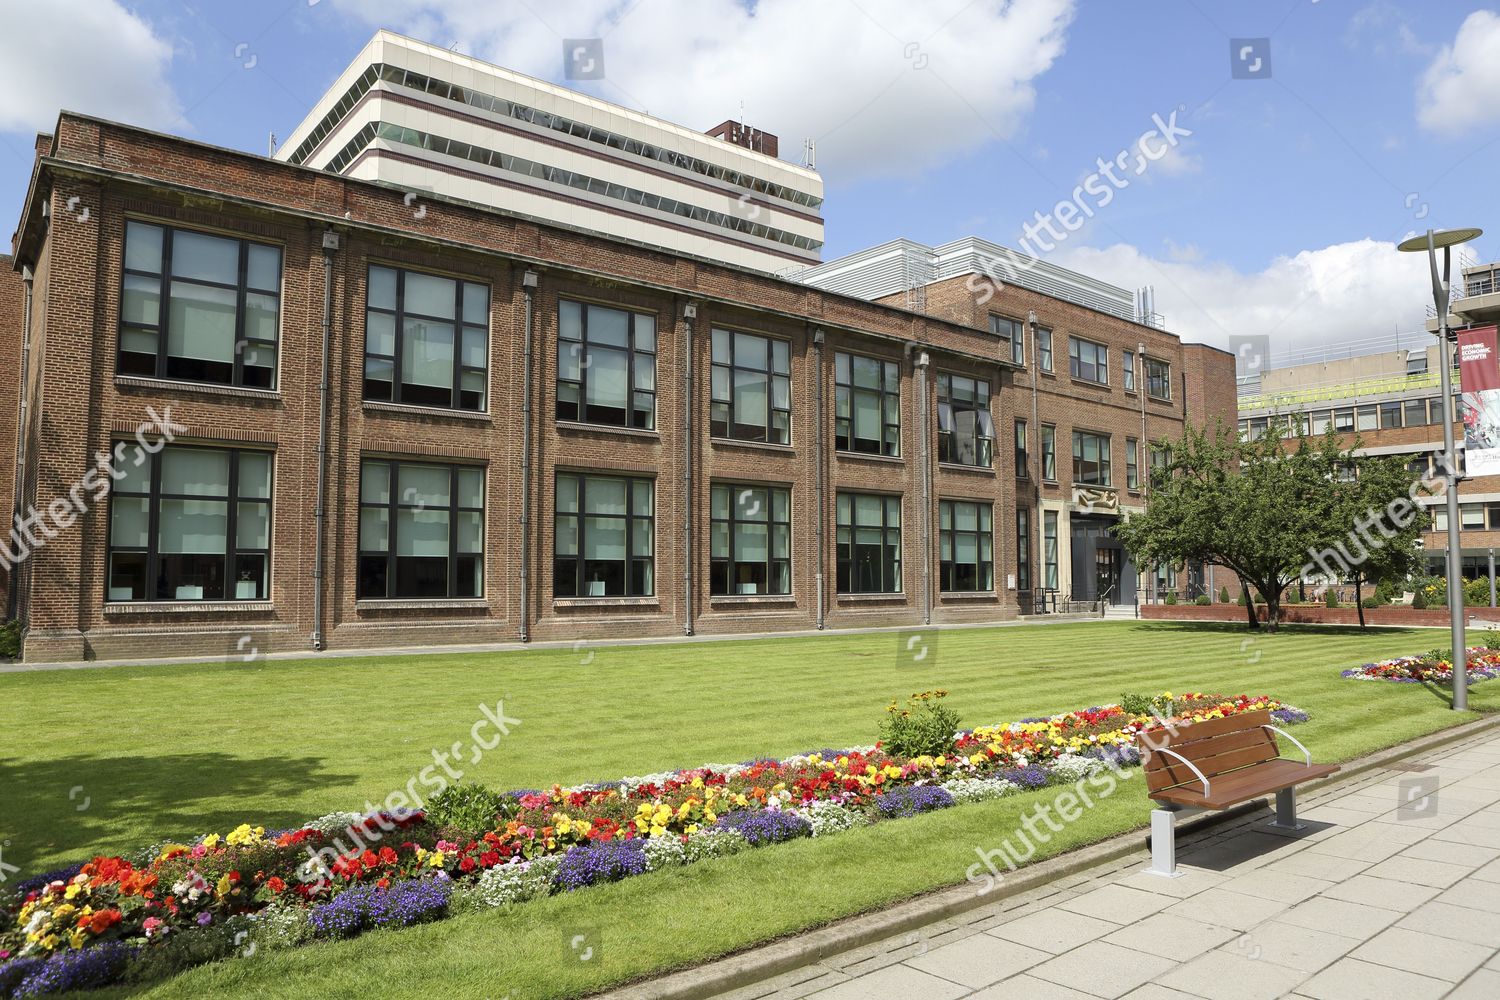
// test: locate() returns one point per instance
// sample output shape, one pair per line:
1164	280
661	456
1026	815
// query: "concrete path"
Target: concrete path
1394	891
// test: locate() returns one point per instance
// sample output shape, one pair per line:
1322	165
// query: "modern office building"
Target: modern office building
423	119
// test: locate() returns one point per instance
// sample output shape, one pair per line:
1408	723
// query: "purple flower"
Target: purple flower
365	907
1124	755
1289	716
66	971
765	826
1034	776
36	882
606	861
205	918
900	802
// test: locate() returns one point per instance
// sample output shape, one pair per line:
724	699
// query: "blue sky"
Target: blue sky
1275	216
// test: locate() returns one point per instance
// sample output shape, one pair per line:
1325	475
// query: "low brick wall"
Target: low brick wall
1311	614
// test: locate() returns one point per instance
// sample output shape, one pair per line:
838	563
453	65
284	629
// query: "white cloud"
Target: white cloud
1457	90
91	56
885	86
1348	294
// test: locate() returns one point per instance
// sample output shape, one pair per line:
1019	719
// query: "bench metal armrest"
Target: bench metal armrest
1295	741
1191	766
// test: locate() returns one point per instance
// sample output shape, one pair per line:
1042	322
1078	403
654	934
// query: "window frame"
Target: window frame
1050	560
948	438
582	515
1103	462
844	396
1099	364
1127	371
1043	336
1132	464
1158	374
1023	549
727	429
394	504
638	358
1011	332
1023	450
399	316
1049	453
163	326
844	552
734	520
232	549
983	536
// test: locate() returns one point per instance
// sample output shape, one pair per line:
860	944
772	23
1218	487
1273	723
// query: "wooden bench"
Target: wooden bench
1216	764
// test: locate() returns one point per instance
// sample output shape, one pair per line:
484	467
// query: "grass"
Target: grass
173	751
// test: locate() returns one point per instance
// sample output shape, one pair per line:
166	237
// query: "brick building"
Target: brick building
531	431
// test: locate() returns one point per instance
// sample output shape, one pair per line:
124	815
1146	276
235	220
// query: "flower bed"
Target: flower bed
175	905
1434	668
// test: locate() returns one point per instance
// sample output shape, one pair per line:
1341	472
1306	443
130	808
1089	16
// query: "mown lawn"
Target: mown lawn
170	752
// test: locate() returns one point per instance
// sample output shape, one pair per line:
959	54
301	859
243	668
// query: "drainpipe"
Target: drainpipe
1140	389
924	475
1037	569
320	502
689	313
819	460
528	283
13	588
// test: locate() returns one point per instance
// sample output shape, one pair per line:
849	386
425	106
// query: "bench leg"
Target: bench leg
1164	844
1286	811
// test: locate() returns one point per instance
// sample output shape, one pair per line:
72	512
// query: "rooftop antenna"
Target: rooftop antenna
810	153
271	145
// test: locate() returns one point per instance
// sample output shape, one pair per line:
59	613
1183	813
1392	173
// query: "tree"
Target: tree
1383	528
1267	509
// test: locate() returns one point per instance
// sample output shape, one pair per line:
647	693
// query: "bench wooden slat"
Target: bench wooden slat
1241	786
1212	756
1208	727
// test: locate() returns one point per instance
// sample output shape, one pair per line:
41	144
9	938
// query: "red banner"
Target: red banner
1479	375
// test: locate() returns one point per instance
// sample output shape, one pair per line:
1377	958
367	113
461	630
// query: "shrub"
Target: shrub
1203	600
188	947
1171	597
10	639
606	861
1223	595
1331	598
909	801
1477	592
925	727
765	826
1372	602
467	807
1136	704
1419	601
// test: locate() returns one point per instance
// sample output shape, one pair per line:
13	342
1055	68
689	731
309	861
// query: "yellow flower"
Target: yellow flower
212	840
436	861
77	938
72	891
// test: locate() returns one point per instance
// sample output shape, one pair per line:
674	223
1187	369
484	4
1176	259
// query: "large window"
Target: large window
1132	464
191	524
1012	334
966	546
1090	459
750	551
1049	453
1049	549
199	308
421	530
606	366
1023	548
1088	361
869	544
966	434
605	538
751	397
1023	454
1044	348
867	414
426	340
1158	379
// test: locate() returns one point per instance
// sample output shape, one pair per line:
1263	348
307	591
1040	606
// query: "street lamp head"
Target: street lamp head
1440	238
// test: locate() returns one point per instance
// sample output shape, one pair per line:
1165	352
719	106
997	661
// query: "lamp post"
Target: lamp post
1430	243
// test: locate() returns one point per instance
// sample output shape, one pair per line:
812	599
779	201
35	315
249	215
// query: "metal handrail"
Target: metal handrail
1305	752
1191	766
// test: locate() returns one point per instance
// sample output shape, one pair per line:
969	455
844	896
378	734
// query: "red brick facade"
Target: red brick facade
81	406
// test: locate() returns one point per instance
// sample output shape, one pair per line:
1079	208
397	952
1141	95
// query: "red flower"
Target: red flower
275	884
467	865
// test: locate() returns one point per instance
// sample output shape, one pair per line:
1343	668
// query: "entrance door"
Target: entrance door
1107	574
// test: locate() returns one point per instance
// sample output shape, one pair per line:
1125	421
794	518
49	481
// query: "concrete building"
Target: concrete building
423	119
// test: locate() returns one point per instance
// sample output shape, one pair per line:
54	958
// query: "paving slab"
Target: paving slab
1426	954
1220	975
1352	979
1054	930
1105	970
979	961
897	982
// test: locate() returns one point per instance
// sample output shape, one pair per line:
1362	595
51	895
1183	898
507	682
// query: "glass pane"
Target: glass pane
470	532
608	382
567	494
470	487
261	313
867	509
721	347
779	504
382	292
201	322
474	348
194	526
429	295
264	268
750	504
375	482
139	342
252	526
640	538
424	485
374	529
781	541
427	354
781	357
142	301
604	496
255	474
380	334
604	538
566	543
719	503
750	351
421	532
570	321
965	517
195	472
476	303
750	397
719	541
142	247
136	478
129	521
641	496
645	332
610	327
207	258
751	542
